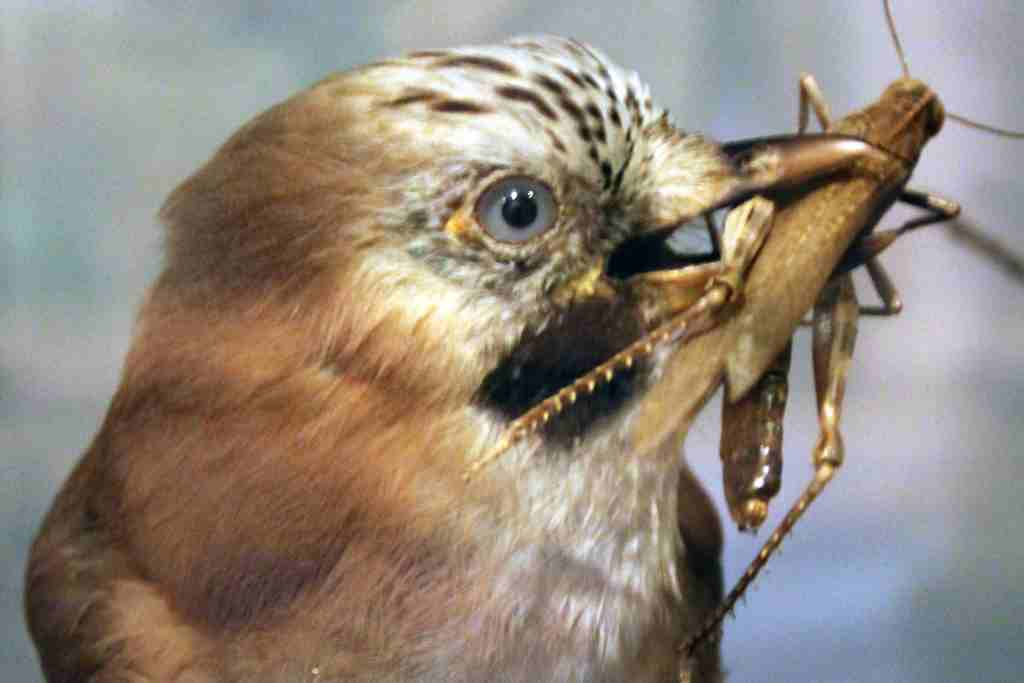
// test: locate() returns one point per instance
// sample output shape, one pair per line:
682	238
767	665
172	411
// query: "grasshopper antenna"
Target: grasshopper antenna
887	4
962	120
972	238
994	130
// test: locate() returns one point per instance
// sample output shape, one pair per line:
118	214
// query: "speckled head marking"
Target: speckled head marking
586	108
549	97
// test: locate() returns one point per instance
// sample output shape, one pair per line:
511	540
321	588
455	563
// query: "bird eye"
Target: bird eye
516	209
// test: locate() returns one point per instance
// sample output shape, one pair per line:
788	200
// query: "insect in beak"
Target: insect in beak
671	281
683	296
818	235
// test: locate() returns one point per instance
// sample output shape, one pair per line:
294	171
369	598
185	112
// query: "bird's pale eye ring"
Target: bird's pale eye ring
516	209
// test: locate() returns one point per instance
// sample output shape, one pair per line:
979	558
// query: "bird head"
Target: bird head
476	223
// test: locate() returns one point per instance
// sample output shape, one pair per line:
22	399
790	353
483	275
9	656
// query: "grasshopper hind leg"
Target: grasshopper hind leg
835	331
834	335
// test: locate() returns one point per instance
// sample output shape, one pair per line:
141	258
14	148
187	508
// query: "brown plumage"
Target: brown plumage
277	491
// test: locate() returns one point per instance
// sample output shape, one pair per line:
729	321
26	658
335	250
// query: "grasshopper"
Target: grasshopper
842	211
751	439
752	419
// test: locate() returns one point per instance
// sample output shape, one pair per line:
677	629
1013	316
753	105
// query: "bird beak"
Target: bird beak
775	164
667	281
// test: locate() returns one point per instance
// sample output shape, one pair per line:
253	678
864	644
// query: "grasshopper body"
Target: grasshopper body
812	231
813	228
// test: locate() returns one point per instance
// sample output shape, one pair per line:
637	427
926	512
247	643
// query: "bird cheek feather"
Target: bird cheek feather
286	474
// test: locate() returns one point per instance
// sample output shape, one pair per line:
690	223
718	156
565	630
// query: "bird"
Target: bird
362	289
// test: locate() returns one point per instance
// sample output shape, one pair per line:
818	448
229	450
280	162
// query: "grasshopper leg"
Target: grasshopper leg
834	335
940	209
937	210
835	330
892	302
812	97
866	250
746	228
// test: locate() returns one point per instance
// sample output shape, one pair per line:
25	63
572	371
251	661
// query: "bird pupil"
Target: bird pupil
519	209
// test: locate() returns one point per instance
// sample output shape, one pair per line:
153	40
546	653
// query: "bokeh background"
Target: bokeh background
909	567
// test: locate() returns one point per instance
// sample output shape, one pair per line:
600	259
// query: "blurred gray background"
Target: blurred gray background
907	569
